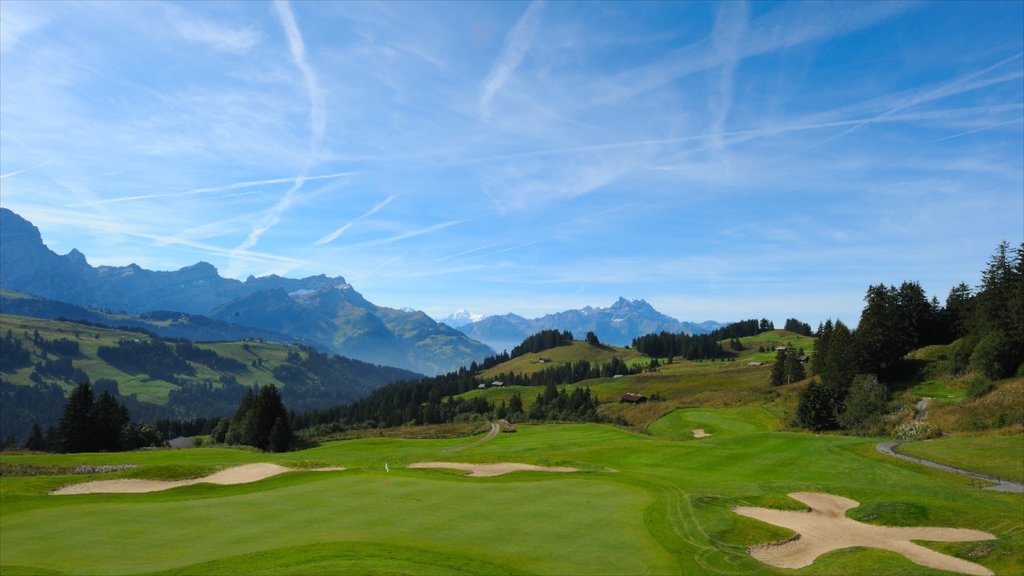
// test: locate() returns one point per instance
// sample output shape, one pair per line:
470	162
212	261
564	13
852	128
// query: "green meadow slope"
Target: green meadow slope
647	499
641	504
208	381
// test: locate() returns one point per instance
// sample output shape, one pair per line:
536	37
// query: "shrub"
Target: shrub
978	386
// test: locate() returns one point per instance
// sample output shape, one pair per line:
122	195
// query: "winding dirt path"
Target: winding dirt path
1001	485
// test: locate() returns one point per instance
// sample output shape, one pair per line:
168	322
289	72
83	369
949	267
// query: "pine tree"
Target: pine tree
36	441
794	368
75	425
109	419
779	369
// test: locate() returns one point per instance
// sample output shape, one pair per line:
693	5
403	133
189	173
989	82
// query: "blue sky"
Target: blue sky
721	161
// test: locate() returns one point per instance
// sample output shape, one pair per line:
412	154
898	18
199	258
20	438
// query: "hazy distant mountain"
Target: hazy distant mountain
326	311
618	324
168	324
461	318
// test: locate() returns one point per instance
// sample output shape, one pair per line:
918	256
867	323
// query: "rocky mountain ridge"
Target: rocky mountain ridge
326	311
617	324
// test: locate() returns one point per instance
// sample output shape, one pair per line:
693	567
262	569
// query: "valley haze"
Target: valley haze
718	160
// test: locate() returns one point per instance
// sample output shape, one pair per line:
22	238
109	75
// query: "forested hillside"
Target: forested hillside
41	361
857	372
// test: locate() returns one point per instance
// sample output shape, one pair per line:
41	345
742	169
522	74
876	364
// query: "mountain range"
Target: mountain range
327	312
617	325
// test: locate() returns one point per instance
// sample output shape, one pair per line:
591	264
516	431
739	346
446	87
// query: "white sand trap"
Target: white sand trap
236	475
700	433
498	469
824	527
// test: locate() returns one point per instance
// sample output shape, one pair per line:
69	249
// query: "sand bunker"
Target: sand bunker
700	433
824	527
481	470
236	475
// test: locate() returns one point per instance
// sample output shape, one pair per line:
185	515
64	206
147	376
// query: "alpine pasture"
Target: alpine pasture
659	493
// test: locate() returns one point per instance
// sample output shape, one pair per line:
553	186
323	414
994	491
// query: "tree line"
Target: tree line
856	371
700	346
436	400
91	423
543	340
260	421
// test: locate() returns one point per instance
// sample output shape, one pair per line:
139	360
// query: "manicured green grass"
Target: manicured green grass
939	391
1000	456
530	363
679	425
642	504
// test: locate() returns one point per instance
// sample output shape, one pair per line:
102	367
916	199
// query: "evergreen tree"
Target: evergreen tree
794	368
779	369
515	405
816	407
262	421
36	441
75	425
865	405
958	311
109	418
996	341
280	435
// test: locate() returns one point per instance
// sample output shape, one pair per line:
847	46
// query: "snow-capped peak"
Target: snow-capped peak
461	318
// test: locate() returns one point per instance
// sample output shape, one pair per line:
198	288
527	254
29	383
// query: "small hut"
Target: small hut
632	398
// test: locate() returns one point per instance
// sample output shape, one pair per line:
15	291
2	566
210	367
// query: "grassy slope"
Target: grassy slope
998	455
151	390
643	505
652	503
578	350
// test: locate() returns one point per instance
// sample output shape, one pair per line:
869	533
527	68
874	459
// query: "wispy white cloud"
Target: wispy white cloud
516	46
317	122
108	225
214	34
342	229
408	234
208	190
727	40
29	169
17	23
790	25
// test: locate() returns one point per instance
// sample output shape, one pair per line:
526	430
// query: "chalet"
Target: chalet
755	363
631	398
497	384
616	376
482	386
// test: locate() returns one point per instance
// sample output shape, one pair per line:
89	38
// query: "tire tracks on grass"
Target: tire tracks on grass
490	436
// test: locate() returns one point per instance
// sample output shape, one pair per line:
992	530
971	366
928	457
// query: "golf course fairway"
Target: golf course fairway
635	504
